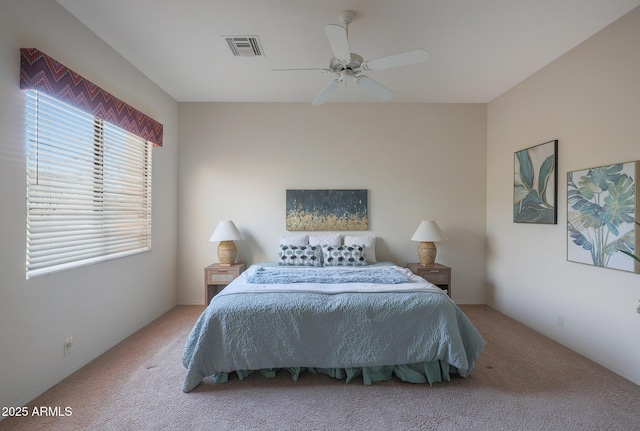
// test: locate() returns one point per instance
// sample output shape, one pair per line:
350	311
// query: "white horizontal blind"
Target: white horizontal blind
88	188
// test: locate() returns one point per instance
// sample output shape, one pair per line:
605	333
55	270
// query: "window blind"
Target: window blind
88	188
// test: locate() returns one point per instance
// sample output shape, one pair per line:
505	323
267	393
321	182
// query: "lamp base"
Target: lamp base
427	253
227	253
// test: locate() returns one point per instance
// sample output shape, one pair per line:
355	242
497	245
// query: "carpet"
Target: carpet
522	381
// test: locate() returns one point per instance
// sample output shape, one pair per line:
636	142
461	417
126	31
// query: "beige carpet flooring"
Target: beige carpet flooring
523	381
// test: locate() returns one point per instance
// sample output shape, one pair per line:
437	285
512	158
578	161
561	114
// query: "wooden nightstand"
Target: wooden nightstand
216	277
438	274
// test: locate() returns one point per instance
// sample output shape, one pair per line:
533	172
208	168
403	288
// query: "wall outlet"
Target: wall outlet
561	321
67	346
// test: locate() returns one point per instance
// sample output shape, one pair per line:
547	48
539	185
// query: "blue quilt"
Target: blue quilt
415	334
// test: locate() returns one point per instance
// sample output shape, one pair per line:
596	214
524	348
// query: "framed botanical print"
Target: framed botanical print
535	184
601	212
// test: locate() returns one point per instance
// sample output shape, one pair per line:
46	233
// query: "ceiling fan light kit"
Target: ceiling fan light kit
349	66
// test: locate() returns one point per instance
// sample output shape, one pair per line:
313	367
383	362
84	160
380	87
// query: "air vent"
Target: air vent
245	46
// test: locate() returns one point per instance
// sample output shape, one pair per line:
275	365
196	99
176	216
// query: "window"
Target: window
88	188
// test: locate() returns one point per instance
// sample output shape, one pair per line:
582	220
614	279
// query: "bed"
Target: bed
371	321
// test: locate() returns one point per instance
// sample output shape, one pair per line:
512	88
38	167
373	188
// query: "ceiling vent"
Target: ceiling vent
245	46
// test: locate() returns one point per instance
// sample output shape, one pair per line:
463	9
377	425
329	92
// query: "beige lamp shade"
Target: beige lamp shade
427	234
226	232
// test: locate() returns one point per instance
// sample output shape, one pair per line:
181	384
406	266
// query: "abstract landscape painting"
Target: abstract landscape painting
535	184
327	210
601	213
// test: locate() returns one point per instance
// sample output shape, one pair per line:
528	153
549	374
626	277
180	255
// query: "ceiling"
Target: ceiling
478	48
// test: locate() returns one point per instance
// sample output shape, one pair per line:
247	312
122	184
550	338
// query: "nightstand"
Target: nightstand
437	274
217	276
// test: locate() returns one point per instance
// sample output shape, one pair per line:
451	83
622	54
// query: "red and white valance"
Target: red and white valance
40	72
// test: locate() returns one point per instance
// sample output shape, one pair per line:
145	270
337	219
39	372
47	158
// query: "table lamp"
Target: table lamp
226	233
427	233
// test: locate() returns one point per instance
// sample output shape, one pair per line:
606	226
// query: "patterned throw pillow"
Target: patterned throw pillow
369	243
306	255
343	255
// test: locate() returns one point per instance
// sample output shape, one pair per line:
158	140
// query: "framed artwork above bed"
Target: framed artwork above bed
326	210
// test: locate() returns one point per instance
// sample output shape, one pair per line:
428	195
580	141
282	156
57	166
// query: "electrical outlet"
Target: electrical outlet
561	321
67	346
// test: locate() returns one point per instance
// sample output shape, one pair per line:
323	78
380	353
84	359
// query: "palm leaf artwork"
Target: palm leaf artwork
534	187
601	216
624	248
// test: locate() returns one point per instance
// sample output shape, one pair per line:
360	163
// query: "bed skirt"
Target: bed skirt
422	372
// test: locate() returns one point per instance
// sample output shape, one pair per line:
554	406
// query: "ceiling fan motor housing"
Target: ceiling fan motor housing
354	65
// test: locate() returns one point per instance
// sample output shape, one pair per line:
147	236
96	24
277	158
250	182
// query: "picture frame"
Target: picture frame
535	184
602	210
313	210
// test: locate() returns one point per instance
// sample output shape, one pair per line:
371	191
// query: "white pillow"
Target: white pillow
298	240
369	245
334	240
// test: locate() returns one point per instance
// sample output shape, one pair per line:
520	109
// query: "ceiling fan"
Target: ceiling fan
349	66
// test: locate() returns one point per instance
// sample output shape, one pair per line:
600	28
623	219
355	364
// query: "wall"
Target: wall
418	162
588	99
98	305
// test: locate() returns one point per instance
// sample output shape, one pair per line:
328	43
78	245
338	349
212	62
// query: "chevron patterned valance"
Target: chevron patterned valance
40	72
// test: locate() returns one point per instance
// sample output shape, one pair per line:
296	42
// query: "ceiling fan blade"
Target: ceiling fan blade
337	36
402	59
324	95
295	70
377	89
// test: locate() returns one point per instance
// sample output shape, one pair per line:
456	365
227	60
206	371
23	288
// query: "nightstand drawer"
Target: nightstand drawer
435	276
217	277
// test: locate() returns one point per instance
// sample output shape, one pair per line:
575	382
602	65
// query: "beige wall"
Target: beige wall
418	162
589	99
101	304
